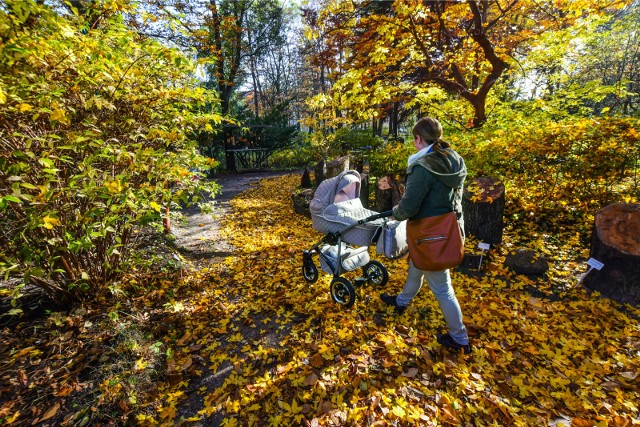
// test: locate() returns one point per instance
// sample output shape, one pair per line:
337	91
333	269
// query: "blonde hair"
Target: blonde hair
430	130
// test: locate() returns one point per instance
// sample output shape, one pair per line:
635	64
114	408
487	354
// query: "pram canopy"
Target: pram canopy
336	207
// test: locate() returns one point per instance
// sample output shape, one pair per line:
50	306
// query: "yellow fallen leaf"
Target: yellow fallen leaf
50	222
140	364
22	352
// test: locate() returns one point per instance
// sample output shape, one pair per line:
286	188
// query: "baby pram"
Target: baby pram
336	209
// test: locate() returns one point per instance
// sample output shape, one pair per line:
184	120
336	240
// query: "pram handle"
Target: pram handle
384	214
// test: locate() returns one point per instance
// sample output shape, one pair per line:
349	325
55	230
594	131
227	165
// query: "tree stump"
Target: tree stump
337	166
364	189
389	191
526	261
483	205
319	171
616	243
306	179
301	201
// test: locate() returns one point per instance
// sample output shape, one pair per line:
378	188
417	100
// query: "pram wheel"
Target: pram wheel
376	273
342	292
309	270
310	273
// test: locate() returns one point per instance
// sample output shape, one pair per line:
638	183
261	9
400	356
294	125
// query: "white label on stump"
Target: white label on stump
594	263
484	246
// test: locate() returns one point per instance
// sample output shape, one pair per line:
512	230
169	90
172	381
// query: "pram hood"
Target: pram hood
325	194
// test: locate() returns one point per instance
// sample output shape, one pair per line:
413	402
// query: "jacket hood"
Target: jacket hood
448	169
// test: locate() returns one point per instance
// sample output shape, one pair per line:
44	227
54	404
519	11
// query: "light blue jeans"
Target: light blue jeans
440	284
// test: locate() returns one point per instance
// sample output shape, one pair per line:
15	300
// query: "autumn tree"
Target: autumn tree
387	52
596	70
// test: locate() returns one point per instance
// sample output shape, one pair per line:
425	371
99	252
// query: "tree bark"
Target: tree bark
616	243
483	206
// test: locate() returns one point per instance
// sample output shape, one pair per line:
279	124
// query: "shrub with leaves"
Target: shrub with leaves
390	158
559	170
94	138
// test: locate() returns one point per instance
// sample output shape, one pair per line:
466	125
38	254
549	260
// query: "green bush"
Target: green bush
299	154
94	134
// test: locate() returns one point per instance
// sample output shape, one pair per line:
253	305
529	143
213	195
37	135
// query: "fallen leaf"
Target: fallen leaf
317	361
311	379
22	377
187	363
411	372
22	352
65	391
50	413
629	375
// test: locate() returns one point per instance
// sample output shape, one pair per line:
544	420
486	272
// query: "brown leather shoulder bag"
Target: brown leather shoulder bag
435	243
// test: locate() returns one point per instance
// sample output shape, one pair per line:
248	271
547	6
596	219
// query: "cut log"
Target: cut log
319	171
389	191
483	206
615	242
306	179
364	189
301	200
337	166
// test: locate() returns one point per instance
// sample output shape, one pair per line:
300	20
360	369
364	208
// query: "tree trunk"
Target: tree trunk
483	206
166	221
230	160
393	120
616	243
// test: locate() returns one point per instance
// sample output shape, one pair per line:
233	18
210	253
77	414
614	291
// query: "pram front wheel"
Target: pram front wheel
342	292
310	273
309	269
376	273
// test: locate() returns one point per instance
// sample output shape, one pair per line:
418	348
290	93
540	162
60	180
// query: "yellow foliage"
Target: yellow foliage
291	356
50	222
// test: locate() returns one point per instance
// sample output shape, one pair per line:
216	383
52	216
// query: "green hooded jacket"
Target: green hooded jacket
433	187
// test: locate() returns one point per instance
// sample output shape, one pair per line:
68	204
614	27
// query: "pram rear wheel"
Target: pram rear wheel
310	272
376	273
342	292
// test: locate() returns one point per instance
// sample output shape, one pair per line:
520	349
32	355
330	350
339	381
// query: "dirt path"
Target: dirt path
199	242
198	235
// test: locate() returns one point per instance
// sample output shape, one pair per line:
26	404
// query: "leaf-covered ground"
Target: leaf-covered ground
246	341
257	345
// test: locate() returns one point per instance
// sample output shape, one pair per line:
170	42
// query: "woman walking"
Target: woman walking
435	176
